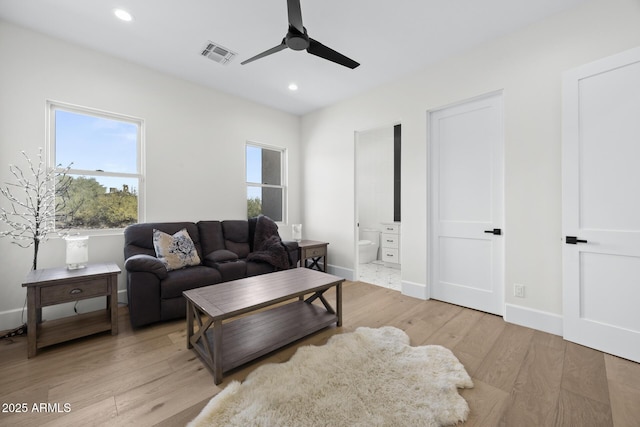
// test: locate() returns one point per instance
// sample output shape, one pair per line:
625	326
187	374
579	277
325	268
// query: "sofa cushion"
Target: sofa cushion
221	255
232	270
211	237
236	237
175	251
188	278
256	268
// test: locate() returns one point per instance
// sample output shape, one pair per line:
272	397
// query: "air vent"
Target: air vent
217	53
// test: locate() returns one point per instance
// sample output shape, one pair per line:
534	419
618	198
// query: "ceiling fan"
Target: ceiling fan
297	39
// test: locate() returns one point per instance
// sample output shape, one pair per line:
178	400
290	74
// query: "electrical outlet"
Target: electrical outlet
518	290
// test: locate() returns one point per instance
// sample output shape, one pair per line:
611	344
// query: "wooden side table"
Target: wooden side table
59	285
313	251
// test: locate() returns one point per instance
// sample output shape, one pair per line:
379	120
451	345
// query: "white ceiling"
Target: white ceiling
389	38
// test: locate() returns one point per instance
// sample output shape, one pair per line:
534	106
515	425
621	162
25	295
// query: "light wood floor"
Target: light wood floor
147	377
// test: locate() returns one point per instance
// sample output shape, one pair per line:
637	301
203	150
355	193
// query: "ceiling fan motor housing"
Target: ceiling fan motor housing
296	40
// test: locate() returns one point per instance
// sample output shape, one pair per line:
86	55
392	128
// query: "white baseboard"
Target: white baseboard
415	290
11	319
346	273
534	319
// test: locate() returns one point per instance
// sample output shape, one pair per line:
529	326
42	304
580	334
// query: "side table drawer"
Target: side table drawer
314	252
72	291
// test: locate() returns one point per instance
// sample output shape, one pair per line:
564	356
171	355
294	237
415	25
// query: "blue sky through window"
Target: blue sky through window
254	164
95	143
254	171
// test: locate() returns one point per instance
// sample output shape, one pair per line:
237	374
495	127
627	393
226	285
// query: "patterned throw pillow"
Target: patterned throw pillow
177	251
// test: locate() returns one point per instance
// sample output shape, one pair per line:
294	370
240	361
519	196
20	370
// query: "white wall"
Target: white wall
194	141
528	66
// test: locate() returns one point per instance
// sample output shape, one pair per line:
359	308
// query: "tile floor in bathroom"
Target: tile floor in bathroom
376	273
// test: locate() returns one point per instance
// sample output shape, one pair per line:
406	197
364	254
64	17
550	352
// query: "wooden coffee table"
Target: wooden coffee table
227	345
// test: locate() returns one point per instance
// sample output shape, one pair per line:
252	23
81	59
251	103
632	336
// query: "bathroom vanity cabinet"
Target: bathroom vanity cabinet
390	243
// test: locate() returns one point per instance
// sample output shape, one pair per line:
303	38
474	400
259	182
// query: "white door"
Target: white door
601	205
466	242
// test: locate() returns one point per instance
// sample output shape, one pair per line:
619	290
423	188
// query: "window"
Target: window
104	154
266	181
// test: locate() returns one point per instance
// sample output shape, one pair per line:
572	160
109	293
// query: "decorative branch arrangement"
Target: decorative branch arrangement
35	197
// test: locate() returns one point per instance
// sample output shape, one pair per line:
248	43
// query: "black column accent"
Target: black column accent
397	143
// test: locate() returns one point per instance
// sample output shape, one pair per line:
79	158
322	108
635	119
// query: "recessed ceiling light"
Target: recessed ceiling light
123	15
293	87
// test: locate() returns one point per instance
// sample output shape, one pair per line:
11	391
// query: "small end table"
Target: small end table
313	251
53	286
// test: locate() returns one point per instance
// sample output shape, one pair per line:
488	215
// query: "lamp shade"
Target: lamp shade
296	232
77	251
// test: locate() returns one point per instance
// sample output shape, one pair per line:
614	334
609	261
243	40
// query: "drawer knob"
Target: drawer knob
75	291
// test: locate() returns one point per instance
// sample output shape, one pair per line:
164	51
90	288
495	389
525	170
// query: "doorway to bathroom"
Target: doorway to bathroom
378	257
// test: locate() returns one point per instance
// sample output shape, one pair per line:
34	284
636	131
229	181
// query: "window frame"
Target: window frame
52	106
284	179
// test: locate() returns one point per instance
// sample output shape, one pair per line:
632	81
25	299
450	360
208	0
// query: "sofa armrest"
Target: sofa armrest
292	252
143	294
148	264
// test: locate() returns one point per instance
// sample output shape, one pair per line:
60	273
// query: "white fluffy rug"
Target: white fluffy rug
370	377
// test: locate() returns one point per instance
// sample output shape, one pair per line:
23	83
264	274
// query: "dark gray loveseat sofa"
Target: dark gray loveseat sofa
228	250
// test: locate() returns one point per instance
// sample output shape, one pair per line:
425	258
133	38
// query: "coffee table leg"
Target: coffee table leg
189	323
217	351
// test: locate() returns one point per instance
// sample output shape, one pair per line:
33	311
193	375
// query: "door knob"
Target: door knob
495	231
572	240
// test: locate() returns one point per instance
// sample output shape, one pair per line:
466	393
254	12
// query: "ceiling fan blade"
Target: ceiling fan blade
268	52
318	49
295	15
